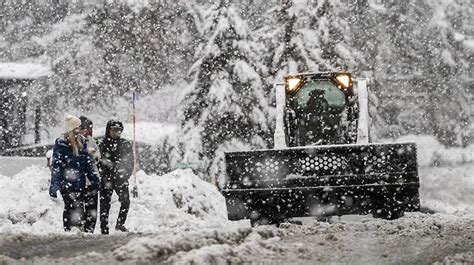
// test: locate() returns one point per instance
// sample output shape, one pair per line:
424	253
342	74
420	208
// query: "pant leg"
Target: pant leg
77	215
124	199
105	197
73	214
90	205
66	211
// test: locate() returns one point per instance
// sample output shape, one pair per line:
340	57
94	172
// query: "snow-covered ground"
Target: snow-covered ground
178	199
11	165
179	218
446	175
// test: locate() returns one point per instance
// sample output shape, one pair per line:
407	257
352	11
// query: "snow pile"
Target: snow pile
460	258
179	198
12	165
446	175
204	246
433	153
23	70
448	189
25	202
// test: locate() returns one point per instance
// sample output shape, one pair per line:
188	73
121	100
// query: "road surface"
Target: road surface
416	238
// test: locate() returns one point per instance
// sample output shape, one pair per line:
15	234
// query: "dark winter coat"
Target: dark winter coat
69	172
116	164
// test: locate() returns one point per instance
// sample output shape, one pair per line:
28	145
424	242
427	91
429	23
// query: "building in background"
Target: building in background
15	82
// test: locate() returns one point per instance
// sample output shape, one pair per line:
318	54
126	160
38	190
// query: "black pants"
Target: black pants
73	214
105	196
90	206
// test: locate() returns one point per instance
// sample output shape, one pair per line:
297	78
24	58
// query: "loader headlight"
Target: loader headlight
344	80
293	84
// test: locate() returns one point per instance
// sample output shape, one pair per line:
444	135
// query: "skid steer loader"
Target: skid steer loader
322	163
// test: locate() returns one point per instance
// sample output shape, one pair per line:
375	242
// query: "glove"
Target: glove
53	190
107	163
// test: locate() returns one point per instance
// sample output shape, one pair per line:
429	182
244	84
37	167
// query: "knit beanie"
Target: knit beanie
71	122
85	123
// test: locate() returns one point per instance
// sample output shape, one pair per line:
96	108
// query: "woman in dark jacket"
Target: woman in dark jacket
71	165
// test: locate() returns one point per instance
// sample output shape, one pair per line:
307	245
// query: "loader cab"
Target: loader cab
320	109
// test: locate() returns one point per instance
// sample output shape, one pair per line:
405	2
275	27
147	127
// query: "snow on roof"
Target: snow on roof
24	70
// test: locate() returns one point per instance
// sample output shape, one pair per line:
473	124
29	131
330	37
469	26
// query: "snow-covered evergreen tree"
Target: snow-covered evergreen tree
365	28
450	65
337	50
286	50
302	36
225	105
419	73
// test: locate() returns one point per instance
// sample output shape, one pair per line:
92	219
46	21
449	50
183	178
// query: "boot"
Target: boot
121	228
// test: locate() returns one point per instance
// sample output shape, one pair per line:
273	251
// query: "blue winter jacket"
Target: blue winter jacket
69	172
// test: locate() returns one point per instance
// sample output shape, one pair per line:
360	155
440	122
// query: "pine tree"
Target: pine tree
448	73
365	30
337	51
303	36
225	106
287	51
426	71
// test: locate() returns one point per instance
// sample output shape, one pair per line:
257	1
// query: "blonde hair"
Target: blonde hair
75	142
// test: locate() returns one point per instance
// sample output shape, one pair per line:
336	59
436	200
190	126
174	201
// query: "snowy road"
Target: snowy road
415	239
29	247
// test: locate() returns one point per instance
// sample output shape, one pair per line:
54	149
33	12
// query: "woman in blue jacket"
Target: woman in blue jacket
71	165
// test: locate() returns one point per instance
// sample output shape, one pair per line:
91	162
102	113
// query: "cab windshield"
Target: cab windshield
321	93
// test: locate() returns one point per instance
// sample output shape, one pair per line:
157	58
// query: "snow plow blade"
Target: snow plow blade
274	185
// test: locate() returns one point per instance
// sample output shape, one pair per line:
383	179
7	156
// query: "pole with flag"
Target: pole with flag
135	155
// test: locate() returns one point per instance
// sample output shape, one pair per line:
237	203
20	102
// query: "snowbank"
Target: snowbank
12	165
448	189
146	132
24	70
203	246
179	198
433	153
446	175
25	203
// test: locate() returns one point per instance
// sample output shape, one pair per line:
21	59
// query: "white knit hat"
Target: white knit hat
71	122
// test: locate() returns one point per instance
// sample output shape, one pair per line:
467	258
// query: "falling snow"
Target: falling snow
204	74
